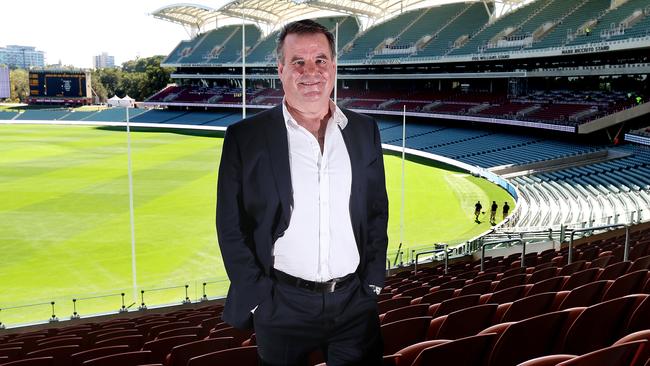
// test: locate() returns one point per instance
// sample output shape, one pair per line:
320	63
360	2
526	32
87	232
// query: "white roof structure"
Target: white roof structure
275	13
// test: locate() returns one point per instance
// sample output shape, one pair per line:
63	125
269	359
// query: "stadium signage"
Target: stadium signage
490	57
585	50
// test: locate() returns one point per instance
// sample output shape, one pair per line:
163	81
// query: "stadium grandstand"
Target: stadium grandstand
547	99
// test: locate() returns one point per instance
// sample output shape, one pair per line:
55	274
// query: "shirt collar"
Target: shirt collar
339	117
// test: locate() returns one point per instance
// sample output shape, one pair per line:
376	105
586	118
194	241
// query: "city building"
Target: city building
104	60
5	92
21	56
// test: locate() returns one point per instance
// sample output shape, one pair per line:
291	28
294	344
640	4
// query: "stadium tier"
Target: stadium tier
592	311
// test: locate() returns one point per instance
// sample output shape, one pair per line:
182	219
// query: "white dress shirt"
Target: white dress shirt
319	243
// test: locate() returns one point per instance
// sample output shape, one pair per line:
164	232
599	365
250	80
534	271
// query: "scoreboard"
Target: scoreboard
59	86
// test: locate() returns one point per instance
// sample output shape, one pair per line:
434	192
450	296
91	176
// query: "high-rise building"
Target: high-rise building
103	60
21	56
4	82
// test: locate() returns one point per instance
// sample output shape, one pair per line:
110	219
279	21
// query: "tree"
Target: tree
98	87
19	85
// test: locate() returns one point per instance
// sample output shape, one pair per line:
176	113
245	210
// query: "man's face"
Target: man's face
307	73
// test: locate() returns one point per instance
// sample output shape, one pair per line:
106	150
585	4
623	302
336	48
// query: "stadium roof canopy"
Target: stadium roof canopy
274	13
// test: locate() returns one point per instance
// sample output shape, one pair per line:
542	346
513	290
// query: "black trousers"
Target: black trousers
343	324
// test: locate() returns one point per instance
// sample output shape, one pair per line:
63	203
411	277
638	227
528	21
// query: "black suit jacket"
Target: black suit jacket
254	200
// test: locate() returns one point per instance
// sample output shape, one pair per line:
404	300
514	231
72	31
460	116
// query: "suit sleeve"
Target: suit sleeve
377	208
235	231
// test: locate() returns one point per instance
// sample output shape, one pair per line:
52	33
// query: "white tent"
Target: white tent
127	101
114	101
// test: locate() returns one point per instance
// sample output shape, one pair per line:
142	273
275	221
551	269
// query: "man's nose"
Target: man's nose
310	67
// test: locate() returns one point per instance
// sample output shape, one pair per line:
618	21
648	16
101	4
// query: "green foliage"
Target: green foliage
139	79
19	85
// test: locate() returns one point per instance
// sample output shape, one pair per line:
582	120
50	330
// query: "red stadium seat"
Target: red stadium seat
585	295
600	325
241	356
180	355
76	359
631	283
407	355
400	334
160	348
409	311
238	335
529	306
435	297
580	278
134	342
552	284
136	358
469	351
453	304
60	354
614	270
462	323
36	361
392	304
621	355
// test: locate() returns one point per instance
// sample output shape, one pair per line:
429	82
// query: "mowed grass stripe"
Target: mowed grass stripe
74	238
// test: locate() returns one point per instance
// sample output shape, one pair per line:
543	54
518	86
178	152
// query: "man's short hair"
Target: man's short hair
305	26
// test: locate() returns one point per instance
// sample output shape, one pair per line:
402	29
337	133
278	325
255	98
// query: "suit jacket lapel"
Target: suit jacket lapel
278	148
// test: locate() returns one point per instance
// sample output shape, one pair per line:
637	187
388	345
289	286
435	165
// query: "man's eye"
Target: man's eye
299	63
321	62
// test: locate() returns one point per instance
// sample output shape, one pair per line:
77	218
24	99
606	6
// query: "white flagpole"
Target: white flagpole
243	68
401	228
131	213
336	58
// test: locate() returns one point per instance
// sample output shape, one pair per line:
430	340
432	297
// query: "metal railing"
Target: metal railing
434	251
627	238
523	251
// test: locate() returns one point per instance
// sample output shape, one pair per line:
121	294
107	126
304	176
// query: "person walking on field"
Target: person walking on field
477	210
493	212
506	209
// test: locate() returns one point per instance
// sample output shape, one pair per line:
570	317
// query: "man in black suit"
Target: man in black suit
302	214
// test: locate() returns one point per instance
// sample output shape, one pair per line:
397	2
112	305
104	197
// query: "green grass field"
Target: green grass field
64	222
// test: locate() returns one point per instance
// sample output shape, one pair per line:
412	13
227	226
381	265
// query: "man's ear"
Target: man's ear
280	68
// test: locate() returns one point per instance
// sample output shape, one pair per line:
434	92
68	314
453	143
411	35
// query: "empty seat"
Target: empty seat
136	358
529	338
614	270
35	361
580	278
134	342
76	359
407	355
462	323
529	306
508	282
620	355
234	356
238	335
600	325
480	288
160	348
585	295
467	351
506	295
409	311
435	297
570	269
640	318
391	304
453	304
60	354
180	355
630	283
639	264
552	284
400	334
542	274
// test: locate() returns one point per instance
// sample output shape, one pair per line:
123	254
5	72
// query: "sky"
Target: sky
74	31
